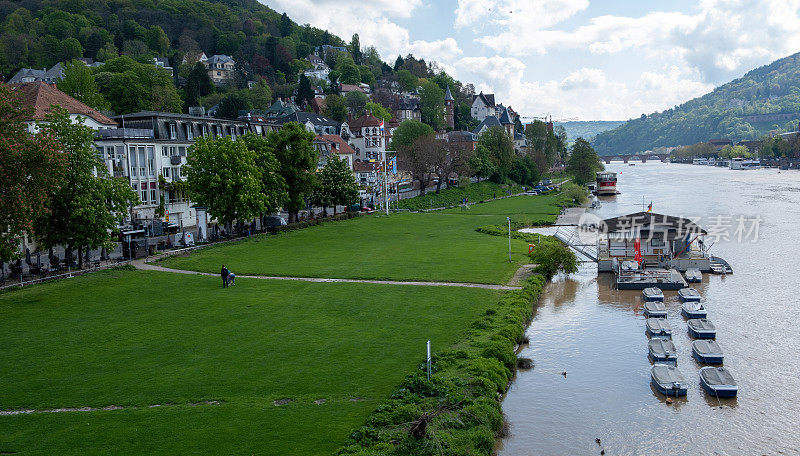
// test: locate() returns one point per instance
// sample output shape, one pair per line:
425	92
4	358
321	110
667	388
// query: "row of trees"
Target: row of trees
55	188
255	176
768	147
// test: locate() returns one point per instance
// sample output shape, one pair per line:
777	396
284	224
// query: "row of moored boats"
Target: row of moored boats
665	375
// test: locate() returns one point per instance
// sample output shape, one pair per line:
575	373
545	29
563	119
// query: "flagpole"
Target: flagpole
385	173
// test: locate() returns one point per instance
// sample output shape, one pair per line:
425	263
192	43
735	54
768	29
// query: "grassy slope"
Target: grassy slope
139	338
437	246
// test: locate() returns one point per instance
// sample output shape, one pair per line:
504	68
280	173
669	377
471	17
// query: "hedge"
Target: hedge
458	411
454	196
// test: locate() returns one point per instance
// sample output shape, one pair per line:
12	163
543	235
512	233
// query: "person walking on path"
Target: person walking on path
224	273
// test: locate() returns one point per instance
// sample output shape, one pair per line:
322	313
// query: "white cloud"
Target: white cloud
371	20
585	78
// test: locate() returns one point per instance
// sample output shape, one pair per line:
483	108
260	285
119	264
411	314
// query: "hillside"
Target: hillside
764	99
587	129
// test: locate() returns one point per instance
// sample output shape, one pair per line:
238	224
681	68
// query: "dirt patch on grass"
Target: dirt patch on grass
280	402
522	274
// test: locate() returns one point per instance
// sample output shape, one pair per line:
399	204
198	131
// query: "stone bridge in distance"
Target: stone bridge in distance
643	157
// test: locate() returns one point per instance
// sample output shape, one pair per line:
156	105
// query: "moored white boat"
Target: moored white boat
693	275
653	294
701	328
668	380
655	309
688	294
658	327
718	381
662	350
707	351
694	309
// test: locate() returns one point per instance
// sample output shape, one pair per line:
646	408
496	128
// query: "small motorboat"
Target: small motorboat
707	351
662	350
653	294
668	380
655	309
693	275
659	327
701	328
718	381
688	294
595	205
694	309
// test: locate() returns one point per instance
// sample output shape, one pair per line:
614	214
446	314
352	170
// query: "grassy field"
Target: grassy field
435	246
135	339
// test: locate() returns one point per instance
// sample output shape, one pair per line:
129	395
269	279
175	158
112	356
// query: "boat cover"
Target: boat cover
689	294
693	306
656	325
655	307
653	293
701	325
661	348
717	376
707	347
667	375
693	274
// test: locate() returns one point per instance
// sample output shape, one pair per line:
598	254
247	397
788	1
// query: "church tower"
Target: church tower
448	108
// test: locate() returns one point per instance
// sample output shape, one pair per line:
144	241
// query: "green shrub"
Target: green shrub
554	257
454	196
575	193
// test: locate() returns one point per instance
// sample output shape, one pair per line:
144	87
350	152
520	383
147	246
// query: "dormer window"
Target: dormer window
173	131
189	133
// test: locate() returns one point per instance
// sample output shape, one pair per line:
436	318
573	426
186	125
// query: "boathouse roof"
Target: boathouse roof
649	225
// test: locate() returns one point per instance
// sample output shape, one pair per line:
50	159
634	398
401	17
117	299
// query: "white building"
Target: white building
40	96
367	138
482	106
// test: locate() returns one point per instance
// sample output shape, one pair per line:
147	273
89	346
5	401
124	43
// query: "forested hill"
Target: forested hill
587	129
767	98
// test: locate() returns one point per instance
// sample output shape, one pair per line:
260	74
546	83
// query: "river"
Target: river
597	334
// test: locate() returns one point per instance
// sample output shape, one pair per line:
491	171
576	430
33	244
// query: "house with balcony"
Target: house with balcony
220	68
367	138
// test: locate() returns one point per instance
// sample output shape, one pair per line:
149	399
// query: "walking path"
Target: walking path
139	264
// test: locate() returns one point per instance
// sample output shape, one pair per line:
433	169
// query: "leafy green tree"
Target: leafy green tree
89	204
481	162
335	185
273	185
32	168
261	95
232	103
157	40
285	25
71	49
198	84
583	162
431	105
293	147
304	91
131	86
224	176
408	82
355	49
552	257
78	82
367	76
501	151
335	107
356	102
407	132
378	111
349	74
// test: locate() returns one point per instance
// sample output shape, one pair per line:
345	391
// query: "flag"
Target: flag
381	125
637	245
650	207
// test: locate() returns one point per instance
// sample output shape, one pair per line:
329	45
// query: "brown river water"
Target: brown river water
597	334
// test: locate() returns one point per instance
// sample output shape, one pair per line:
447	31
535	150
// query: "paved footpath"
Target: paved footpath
151	267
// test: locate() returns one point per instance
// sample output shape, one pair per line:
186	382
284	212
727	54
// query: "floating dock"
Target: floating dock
665	279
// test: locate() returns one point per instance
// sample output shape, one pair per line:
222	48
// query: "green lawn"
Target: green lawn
436	246
135	338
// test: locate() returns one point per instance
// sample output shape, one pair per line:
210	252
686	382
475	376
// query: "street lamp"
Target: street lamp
509	238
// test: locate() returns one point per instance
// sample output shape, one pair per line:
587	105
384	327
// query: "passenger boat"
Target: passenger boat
707	351
694	309
658	327
606	183
700	161
701	328
693	275
688	294
718	381
741	163
662	350
655	309
668	380
653	294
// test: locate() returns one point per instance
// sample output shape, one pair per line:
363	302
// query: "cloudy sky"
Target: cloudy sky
592	60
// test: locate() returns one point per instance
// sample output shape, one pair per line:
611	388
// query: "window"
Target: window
189	134
99	151
142	161
153	196
205	130
182	151
144	196
173	133
132	160
173	151
151	160
164	151
166	172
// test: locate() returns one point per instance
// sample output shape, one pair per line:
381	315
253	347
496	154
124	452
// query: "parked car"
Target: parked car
547	182
366	209
532	192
